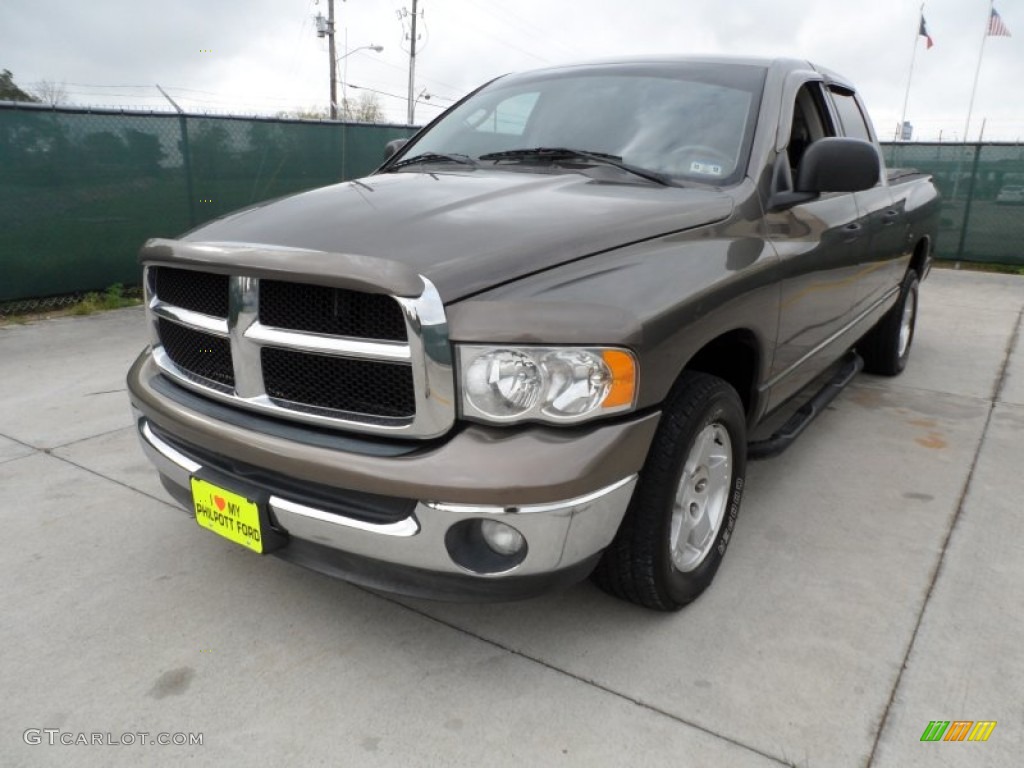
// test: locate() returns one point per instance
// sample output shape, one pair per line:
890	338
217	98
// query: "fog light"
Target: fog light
502	538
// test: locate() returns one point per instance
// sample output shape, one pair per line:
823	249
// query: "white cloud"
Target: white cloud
266	55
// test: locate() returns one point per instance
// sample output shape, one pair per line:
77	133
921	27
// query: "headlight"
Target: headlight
555	384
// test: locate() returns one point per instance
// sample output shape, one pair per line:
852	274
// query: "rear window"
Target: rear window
854	124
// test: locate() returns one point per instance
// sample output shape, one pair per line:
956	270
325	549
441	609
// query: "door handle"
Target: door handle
889	218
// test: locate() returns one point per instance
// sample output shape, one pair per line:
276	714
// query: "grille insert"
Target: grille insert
334	311
188	289
301	381
203	357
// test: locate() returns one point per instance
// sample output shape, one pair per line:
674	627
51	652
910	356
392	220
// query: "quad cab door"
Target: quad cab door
883	215
821	245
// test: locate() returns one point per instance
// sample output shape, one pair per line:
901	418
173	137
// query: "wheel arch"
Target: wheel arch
921	259
735	357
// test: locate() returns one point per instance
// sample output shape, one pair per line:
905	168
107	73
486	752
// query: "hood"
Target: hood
471	230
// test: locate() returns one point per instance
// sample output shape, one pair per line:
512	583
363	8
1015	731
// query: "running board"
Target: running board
797	423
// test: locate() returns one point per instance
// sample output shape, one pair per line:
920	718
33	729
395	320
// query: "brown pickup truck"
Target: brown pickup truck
532	346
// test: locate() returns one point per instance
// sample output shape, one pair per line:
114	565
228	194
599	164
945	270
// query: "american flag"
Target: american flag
996	28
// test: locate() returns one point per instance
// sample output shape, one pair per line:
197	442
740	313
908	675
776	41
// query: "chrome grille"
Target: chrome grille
335	311
338	383
324	355
195	291
205	358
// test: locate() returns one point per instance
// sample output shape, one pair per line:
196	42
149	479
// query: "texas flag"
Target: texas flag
923	32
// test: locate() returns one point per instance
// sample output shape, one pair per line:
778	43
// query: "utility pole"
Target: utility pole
325	28
334	68
412	64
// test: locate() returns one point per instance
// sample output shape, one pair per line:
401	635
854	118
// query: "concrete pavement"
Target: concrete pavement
873	585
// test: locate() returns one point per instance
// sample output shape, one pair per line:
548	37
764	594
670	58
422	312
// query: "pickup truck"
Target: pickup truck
533	345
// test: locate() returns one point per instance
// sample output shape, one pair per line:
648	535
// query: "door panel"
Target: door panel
820	245
881	265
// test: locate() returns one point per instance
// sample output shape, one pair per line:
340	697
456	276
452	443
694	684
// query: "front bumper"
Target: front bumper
428	551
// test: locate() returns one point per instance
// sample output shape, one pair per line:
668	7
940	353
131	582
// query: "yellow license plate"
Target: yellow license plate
232	516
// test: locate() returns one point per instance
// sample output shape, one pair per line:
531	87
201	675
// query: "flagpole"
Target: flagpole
977	70
910	74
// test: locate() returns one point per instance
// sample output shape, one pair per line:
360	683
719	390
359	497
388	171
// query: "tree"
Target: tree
51	93
366	110
306	113
11	92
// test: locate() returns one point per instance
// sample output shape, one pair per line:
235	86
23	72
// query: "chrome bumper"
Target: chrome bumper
558	535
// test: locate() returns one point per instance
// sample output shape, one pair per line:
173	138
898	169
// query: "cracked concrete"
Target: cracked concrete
873	585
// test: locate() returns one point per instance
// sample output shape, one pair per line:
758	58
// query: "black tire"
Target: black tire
881	348
638	565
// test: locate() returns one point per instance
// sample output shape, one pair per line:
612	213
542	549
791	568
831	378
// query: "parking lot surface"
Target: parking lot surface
874	584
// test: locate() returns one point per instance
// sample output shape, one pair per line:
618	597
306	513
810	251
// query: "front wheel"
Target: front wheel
679	522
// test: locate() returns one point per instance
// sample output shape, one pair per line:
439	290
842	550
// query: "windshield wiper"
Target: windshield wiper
434	157
564	153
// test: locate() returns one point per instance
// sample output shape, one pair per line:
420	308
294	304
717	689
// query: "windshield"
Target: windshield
688	122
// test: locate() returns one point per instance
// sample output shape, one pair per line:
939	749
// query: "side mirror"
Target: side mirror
393	146
838	165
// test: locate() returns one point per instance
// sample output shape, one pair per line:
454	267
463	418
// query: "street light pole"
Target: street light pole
424	96
344	80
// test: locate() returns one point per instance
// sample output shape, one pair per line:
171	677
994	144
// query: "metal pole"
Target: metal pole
970	106
910	75
977	70
412	64
186	157
334	67
346	111
968	204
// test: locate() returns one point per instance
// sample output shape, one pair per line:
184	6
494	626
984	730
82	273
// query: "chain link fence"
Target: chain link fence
81	190
982	187
34	306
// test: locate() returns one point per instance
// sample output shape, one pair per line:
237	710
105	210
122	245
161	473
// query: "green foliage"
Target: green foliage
11	92
114	297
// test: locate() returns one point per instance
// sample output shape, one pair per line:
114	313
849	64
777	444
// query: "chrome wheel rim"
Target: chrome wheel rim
907	322
701	498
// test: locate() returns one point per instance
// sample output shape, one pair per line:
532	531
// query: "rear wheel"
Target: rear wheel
682	514
886	347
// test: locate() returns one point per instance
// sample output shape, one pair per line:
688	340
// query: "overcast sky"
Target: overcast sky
262	56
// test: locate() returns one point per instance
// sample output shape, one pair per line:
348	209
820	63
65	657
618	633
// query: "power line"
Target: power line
422	79
527	26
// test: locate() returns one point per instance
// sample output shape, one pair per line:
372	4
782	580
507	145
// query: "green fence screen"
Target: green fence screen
81	190
982	188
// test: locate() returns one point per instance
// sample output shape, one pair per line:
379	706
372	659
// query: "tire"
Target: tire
697	462
886	347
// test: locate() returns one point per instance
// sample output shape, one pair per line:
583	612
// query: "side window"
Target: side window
811	122
508	117
854	124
